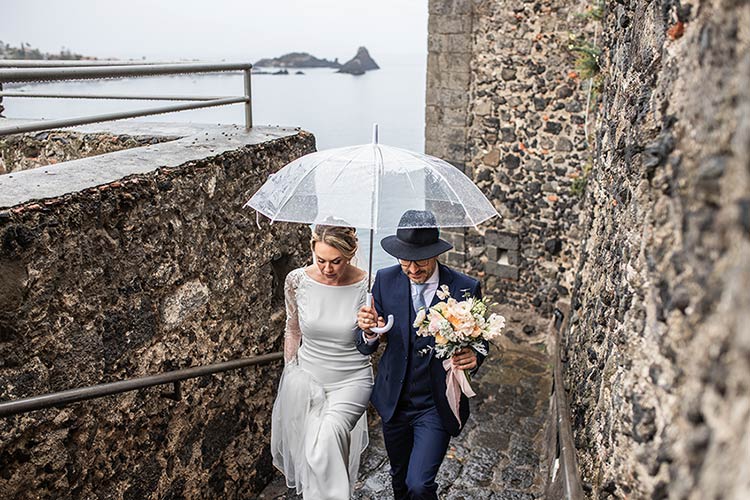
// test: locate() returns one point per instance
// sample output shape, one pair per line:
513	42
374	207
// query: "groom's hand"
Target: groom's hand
464	359
367	318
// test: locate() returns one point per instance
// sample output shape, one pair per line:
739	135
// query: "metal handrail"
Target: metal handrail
571	483
62	63
95	73
43	73
52	95
56	399
37	126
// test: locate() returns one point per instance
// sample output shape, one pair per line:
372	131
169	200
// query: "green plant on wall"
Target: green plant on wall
578	186
588	66
594	11
588	56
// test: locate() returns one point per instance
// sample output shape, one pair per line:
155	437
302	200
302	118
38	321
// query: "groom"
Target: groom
409	391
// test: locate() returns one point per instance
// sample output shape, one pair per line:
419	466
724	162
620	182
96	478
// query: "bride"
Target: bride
319	427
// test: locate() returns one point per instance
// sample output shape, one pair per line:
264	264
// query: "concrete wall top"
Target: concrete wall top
194	142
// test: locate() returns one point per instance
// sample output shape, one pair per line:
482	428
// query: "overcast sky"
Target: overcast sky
218	29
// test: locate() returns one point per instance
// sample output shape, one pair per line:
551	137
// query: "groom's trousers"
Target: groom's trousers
416	443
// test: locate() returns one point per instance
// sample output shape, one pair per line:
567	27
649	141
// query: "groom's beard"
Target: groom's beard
421	275
418	278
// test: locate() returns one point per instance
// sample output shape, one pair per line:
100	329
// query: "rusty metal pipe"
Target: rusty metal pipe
55	399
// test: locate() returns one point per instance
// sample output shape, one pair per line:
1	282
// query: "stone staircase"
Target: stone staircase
500	454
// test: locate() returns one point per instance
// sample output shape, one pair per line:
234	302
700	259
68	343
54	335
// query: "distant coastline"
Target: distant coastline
27	52
357	65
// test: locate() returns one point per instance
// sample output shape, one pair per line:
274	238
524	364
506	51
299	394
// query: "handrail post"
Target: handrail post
248	103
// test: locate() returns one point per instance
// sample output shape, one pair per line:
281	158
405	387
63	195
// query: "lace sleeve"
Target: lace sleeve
292	332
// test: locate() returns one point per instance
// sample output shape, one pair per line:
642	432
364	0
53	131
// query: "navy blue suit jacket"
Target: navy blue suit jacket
391	295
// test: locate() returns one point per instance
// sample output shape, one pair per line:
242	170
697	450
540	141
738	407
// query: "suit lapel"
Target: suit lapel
402	299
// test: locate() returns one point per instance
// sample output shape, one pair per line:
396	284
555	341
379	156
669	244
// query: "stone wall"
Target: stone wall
659	346
156	271
447	95
448	77
505	104
25	151
655	258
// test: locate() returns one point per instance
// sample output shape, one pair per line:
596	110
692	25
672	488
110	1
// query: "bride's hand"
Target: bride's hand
366	318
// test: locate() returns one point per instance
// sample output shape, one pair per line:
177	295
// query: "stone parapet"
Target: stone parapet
27	151
135	264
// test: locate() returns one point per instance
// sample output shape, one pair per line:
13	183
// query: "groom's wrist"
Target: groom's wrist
370	338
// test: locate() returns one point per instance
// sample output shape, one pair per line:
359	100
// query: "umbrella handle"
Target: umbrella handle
389	323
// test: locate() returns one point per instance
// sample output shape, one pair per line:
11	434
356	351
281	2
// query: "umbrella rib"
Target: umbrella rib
291	191
375	207
408	177
340	172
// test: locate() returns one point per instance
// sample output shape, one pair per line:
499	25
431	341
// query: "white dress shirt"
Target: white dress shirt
429	291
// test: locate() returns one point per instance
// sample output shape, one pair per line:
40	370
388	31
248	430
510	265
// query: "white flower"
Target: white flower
496	323
463	308
421	315
443	293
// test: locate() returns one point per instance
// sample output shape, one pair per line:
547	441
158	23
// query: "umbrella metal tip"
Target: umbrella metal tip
374	133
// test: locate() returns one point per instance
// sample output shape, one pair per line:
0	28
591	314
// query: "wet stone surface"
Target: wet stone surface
500	454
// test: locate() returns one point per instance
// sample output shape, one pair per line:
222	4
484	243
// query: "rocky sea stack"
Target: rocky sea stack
359	63
297	60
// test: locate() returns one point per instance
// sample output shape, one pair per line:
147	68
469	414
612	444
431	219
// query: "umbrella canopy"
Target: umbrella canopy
370	186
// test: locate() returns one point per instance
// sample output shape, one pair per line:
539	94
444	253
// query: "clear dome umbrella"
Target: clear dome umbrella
371	186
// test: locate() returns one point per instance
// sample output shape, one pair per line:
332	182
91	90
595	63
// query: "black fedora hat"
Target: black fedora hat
416	243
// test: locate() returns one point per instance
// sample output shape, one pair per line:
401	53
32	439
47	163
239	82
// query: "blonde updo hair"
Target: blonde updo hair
342	238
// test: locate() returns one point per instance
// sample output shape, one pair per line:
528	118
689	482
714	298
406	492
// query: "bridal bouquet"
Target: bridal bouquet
455	325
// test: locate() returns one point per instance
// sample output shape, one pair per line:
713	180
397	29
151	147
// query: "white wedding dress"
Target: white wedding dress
319	426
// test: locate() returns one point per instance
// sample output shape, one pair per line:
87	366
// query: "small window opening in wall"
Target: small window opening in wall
502	256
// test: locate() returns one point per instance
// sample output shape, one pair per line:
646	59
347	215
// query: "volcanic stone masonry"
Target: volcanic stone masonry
654	259
153	272
505	105
659	346
25	151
